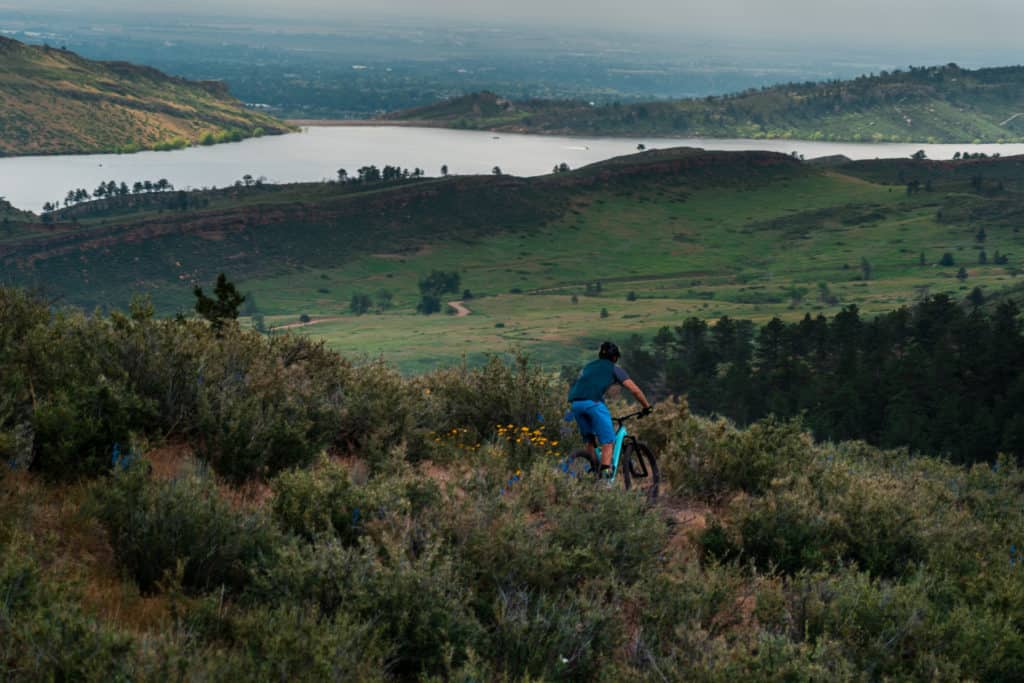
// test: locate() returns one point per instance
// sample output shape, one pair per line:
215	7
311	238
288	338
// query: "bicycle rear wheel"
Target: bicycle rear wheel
640	469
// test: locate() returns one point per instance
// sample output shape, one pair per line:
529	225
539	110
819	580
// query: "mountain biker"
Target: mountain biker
587	400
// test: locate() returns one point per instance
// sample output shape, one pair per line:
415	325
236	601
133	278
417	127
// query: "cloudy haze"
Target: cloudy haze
931	23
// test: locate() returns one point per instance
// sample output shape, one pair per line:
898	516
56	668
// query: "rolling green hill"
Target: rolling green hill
55	102
934	104
552	263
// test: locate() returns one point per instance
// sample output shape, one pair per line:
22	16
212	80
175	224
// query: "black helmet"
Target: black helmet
609	351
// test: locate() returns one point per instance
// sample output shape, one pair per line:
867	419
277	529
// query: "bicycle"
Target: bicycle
640	465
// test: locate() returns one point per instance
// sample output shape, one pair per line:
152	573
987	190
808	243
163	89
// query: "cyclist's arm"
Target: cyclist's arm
636	391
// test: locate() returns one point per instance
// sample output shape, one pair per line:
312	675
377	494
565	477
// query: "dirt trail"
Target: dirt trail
292	326
460	309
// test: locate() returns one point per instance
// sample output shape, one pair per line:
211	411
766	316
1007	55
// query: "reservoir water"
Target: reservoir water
318	152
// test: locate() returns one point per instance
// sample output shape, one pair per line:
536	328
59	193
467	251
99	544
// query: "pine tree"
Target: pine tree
223	310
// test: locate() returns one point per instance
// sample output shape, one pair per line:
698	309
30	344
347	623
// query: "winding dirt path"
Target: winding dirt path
460	309
292	326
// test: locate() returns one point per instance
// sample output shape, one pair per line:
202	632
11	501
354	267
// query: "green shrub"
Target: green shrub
326	574
699	597
885	512
498	393
985	644
380	414
77	428
311	503
254	406
157	526
410	591
44	634
265	407
879	625
710	458
21	316
82	398
569	636
587	534
424	611
295	643
696	655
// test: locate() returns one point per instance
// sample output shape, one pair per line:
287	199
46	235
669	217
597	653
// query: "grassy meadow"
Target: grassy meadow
553	264
745	253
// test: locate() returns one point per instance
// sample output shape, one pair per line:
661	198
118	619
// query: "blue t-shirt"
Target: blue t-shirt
595	379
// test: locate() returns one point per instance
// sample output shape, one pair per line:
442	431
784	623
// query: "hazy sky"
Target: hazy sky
909	22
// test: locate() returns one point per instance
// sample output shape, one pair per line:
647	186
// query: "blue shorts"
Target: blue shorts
594	420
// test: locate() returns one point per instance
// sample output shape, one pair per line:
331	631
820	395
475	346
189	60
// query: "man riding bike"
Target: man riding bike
587	400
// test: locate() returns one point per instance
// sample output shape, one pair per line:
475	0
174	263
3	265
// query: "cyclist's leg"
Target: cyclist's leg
584	420
605	431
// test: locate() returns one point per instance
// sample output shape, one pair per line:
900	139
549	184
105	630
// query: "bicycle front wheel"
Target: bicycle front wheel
640	469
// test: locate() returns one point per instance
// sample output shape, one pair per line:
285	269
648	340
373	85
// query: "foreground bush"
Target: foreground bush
295	643
817	562
480	400
263	408
44	634
884	512
415	599
324	501
710	458
180	530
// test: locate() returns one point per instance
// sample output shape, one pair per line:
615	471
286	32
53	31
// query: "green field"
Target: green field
668	235
706	256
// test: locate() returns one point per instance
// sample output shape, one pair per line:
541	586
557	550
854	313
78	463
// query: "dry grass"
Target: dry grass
49	523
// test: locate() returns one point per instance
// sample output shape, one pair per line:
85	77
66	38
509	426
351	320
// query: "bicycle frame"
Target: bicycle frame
620	438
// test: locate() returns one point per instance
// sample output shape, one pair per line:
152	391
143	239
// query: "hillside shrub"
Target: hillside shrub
588	534
498	393
45	635
696	655
88	383
265	407
424	611
159	528
65	381
710	458
77	429
543	636
687	595
885	514
295	642
380	413
410	591
312	503
879	624
326	574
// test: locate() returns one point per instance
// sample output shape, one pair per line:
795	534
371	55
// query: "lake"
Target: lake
319	151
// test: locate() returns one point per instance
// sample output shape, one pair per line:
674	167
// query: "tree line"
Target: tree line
937	377
373	174
110	188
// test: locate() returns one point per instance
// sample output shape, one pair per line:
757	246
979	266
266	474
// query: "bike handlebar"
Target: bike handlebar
622	418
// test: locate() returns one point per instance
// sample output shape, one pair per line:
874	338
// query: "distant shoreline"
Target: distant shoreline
337	123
